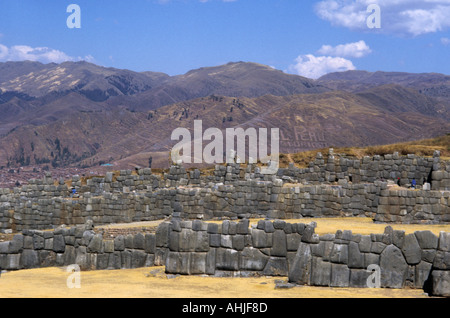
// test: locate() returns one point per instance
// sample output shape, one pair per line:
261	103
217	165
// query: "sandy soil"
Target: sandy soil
151	282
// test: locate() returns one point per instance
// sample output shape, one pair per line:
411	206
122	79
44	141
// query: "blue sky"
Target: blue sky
304	37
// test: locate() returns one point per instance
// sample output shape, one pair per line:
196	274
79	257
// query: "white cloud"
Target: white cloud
41	54
315	66
445	41
403	17
356	49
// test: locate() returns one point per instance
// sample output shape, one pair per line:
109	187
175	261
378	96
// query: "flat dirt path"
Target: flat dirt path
151	282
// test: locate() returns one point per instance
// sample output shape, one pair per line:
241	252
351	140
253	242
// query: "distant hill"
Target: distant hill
81	114
240	79
429	84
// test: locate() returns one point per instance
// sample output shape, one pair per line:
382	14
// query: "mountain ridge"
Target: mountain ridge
125	117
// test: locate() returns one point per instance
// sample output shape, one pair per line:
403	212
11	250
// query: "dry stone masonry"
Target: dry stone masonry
230	249
55	227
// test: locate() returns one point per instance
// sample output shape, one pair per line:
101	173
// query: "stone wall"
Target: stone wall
338	187
271	248
77	245
417	260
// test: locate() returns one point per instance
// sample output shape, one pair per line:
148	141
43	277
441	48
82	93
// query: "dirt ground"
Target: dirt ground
152	282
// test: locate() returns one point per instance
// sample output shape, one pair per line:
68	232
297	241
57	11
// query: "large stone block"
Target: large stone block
358	278
251	259
227	259
320	272
59	244
279	244
355	257
339	254
96	244
394	268
198	263
340	275
16	244
149	243
411	250
261	239
444	241
422	274
276	266
138	258
119	243
30	259
441	283
426	239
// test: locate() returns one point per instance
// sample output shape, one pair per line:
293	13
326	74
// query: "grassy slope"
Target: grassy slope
424	147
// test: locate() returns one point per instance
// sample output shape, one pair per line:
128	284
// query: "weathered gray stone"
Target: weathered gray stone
16	244
411	250
213	228
149	243
394	267
30	259
238	242
320	272
358	278
422	274
444	241
279	244
138	258
441	283
442	260
126	259
178	263
139	241
129	241
198	263
70	254
261	239
398	238
339	254
215	240
300	271
251	259
227	259
426	239
340	275
96	244
365	244
59	244
276	266
119	243
242	226
355	257
102	261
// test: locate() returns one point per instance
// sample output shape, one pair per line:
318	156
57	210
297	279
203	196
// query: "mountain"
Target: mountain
94	82
306	121
81	114
240	79
429	84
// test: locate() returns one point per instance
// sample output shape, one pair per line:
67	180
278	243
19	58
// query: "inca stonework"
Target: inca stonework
188	244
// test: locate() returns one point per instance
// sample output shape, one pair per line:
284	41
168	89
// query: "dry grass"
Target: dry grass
153	283
424	148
